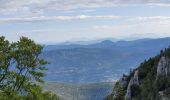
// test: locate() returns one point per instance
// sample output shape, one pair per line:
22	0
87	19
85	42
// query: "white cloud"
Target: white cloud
121	31
159	4
150	18
34	7
136	30
55	18
83	17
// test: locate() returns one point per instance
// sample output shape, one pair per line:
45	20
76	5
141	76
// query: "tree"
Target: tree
21	69
135	90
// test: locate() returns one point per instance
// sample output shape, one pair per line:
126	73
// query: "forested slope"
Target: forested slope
150	81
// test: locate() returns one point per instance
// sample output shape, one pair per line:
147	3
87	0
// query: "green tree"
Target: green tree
21	70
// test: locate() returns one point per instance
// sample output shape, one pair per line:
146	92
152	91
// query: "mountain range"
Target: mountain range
99	62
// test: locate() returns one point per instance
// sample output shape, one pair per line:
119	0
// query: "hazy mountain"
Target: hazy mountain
75	44
104	61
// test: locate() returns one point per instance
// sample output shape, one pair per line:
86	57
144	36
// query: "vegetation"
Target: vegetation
152	86
21	70
118	93
86	91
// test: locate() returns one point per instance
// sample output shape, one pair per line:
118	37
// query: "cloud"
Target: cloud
56	18
150	18
159	4
141	29
38	7
83	17
134	30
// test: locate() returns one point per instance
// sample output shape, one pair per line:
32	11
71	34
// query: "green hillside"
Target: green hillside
150	81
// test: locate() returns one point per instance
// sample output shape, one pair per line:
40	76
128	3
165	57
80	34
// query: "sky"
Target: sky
56	21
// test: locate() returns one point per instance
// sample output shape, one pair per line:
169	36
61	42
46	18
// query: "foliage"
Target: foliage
21	69
152	86
135	90
118	93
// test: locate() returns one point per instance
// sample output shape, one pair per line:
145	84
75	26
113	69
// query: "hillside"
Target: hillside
93	91
150	81
98	62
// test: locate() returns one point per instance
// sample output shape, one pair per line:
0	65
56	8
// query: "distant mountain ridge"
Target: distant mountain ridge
83	42
71	45
98	62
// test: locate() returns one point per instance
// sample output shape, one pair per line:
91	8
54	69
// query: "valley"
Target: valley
101	62
88	72
91	91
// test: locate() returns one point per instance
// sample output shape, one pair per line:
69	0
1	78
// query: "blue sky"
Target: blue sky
54	21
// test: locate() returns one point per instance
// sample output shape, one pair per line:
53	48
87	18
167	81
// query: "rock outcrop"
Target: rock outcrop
163	67
123	82
136	78
150	81
133	81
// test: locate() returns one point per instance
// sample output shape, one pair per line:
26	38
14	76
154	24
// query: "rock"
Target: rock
133	81
116	90
128	92
136	78
123	82
163	67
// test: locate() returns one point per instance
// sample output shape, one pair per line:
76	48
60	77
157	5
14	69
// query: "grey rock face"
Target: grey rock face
136	78
128	92
163	67
133	81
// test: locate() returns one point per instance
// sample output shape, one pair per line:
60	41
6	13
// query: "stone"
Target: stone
133	81
163	67
136	78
